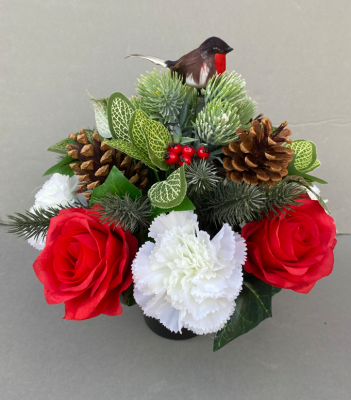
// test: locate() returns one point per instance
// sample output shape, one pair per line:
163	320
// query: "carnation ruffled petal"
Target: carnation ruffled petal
185	279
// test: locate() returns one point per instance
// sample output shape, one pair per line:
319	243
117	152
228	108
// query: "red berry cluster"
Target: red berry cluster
178	154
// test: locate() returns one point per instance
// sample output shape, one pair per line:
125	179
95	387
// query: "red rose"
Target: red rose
85	264
292	251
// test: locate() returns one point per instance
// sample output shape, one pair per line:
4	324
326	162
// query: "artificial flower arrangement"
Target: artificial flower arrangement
184	202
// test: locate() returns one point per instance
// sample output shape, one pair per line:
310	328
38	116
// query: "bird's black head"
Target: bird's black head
215	45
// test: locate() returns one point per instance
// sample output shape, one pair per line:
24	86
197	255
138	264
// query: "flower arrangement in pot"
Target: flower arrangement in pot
184	201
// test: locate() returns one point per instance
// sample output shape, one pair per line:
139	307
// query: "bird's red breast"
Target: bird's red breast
220	63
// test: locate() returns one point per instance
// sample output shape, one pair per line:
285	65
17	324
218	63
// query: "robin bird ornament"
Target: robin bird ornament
197	67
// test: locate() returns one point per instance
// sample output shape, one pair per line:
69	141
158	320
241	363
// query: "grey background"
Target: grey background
296	59
295	56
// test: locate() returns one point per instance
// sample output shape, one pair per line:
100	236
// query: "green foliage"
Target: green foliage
187	110
63	167
282	197
292	171
304	160
162	96
231	202
130	214
120	111
123	119
217	122
136	132
36	223
301	182
158	138
306	155
59	147
185	205
131	150
101	120
127	297
237	203
115	184
230	87
253	305
171	192
201	177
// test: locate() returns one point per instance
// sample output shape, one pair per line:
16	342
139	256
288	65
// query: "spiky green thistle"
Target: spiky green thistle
201	177
230	87
217	122
162	96
131	215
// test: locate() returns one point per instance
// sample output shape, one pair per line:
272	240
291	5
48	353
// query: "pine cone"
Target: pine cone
258	157
98	159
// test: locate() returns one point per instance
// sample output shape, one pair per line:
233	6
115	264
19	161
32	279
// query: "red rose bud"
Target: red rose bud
184	159
203	152
171	158
188	150
175	148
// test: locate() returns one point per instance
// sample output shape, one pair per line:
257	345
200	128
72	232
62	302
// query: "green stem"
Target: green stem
156	173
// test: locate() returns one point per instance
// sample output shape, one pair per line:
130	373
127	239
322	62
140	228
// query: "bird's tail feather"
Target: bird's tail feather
155	60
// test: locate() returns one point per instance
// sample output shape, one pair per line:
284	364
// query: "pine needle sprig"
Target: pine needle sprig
282	197
217	122
237	203
131	215
230	87
233	203
162	96
35	223
201	177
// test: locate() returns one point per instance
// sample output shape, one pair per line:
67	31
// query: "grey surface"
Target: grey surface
303	352
295	56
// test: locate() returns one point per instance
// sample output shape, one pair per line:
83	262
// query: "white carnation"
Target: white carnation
185	279
59	189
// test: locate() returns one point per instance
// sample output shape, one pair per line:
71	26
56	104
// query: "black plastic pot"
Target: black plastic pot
162	331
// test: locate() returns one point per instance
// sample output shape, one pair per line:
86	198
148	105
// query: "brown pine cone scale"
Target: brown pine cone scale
97	161
258	157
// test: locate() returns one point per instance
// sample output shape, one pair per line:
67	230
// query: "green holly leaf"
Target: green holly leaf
116	183
119	111
131	150
63	167
100	108
305	155
253	305
171	192
185	205
158	138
